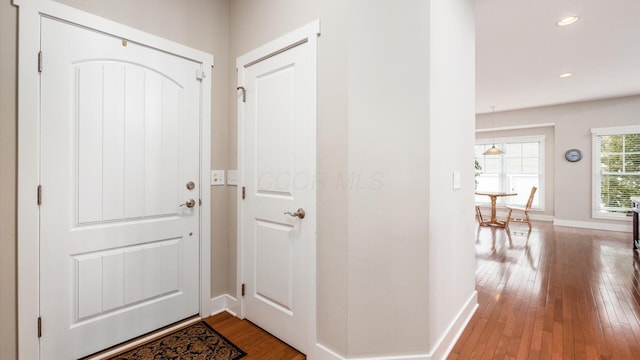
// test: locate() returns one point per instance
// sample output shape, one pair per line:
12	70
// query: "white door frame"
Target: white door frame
308	33
30	12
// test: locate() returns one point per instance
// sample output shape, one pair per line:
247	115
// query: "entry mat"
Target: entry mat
198	341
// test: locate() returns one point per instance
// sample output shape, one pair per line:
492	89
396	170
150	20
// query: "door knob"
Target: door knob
299	213
190	203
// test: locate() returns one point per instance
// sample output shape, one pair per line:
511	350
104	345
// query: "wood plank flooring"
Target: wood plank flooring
553	293
257	343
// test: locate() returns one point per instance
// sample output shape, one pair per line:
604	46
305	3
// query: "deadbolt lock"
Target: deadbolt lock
191	185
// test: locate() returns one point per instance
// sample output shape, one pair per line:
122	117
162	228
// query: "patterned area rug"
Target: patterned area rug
195	342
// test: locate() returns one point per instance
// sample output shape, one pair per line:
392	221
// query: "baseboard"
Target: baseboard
224	303
593	225
440	351
541	217
451	336
324	353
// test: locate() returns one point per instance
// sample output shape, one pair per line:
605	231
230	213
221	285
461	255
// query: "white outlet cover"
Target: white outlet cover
232	177
217	177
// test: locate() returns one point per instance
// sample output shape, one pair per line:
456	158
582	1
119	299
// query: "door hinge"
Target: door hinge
200	75
243	192
39	327
39	194
199	202
242	290
39	61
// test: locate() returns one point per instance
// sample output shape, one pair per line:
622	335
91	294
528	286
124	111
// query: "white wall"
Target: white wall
388	141
451	141
573	124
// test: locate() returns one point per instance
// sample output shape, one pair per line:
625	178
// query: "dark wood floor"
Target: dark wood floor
554	293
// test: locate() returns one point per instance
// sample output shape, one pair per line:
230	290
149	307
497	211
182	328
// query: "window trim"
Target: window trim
542	165
595	168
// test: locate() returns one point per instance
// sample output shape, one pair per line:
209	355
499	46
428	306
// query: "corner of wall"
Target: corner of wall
226	303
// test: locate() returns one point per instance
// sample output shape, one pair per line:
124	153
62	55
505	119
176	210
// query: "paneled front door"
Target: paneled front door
119	242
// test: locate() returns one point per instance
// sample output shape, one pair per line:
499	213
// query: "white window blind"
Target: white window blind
517	170
616	170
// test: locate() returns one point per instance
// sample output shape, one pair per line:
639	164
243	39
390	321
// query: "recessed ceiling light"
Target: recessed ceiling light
566	75
567	21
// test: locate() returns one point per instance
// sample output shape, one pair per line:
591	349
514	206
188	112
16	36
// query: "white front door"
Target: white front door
277	167
119	144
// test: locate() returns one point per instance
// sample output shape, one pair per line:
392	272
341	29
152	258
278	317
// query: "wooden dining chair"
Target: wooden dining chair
524	210
479	214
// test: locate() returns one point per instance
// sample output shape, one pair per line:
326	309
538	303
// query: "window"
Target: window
616	170
517	170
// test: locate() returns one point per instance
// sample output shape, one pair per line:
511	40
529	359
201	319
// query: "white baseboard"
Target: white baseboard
593	225
451	336
324	353
224	303
541	217
440	351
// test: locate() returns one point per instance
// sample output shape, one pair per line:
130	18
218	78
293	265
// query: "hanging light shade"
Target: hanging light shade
493	150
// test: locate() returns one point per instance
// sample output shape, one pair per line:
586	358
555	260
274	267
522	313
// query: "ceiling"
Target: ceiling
521	52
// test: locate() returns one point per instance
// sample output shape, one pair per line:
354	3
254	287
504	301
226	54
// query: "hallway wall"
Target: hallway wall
8	174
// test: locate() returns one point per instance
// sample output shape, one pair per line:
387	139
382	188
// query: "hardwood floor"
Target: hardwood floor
257	343
556	293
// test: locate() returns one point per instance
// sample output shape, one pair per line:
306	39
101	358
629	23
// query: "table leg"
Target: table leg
494	219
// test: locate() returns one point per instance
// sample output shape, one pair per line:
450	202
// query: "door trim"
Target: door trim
308	33
30	12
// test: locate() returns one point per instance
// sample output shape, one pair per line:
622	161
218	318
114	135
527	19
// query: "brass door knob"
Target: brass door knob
190	203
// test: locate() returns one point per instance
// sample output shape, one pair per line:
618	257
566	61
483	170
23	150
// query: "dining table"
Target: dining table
494	195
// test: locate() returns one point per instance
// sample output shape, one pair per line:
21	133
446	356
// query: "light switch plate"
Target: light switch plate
217	177
456	180
232	177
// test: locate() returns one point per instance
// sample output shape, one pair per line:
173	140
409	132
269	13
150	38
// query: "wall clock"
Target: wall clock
573	155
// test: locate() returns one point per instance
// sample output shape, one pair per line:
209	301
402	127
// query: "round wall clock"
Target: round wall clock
573	155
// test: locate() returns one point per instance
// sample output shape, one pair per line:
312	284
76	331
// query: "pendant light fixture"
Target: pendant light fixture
493	150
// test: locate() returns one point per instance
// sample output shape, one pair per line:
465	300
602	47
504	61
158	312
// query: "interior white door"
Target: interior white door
119	143
278	129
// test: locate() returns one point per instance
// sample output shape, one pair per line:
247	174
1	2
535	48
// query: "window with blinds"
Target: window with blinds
517	170
616	170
